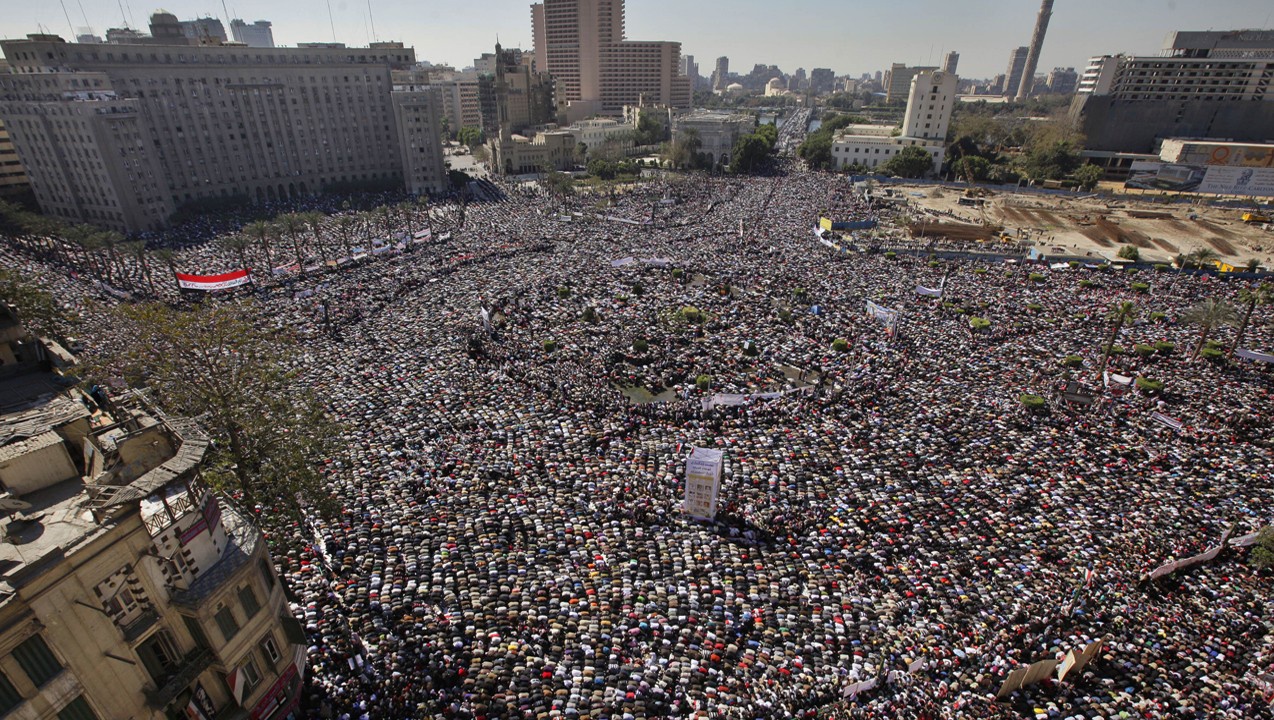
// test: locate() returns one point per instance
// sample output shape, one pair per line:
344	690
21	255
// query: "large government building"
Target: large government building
123	135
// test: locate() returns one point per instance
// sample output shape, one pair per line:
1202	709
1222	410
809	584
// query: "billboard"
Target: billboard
1229	154
703	483
1213	179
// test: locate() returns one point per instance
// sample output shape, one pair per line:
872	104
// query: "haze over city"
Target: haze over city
851	37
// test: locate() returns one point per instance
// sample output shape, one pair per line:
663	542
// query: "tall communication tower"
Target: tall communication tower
1033	56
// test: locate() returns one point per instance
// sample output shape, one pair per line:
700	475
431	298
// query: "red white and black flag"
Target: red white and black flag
234	278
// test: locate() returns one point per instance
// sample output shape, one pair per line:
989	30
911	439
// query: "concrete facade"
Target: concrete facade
581	44
1203	84
257	34
929	105
131	590
13	177
122	136
718	131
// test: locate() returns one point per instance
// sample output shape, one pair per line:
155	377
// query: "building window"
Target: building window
248	599
226	622
159	657
37	660
270	649
77	709
9	696
196	631
251	677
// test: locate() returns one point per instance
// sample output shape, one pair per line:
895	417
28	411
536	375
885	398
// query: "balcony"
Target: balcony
190	668
138	627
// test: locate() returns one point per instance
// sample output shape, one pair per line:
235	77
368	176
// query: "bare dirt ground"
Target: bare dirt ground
1100	226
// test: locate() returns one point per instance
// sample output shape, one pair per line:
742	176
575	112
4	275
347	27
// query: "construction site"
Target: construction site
1088	225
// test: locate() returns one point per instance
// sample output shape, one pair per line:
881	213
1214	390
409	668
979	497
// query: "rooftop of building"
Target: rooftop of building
39	410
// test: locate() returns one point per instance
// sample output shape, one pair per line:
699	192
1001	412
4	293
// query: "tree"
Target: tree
1088	175
1130	252
1202	257
292	224
649	130
470	137
1209	315
1263	551
263	232
816	151
972	167
270	433
1051	161
1262	294
137	250
749	152
237	244
1121	314
559	184
35	308
912	162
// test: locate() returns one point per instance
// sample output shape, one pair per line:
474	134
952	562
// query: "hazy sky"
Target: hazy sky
848	36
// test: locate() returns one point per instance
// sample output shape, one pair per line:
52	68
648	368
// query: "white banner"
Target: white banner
1254	355
1171	422
928	292
703	483
888	316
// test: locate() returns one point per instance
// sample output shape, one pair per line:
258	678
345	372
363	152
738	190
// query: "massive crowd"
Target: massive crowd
511	542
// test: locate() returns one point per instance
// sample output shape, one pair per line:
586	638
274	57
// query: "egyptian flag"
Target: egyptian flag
234	278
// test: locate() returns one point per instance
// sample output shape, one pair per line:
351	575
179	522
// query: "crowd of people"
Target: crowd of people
518	408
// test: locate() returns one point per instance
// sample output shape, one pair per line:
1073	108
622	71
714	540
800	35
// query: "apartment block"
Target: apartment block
123	135
128	588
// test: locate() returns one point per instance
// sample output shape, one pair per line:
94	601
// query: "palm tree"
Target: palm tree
1209	315
237	244
1262	294
1121	313
168	257
293	225
87	239
111	240
1202	257
423	203
407	212
345	225
314	220
137	249
262	232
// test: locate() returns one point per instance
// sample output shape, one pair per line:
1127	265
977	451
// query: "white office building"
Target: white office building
929	104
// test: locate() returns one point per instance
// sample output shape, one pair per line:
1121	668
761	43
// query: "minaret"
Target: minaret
1033	57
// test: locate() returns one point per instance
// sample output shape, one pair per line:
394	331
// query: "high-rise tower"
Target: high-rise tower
1033	56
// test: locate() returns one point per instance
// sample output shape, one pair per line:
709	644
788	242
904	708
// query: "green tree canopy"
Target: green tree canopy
36	309
749	153
912	162
470	137
270	433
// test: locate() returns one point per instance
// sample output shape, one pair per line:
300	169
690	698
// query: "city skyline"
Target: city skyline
849	38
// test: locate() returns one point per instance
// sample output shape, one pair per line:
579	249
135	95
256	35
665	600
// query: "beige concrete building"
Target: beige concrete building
127	588
929	106
522	155
718	131
581	44
13	177
418	111
123	135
